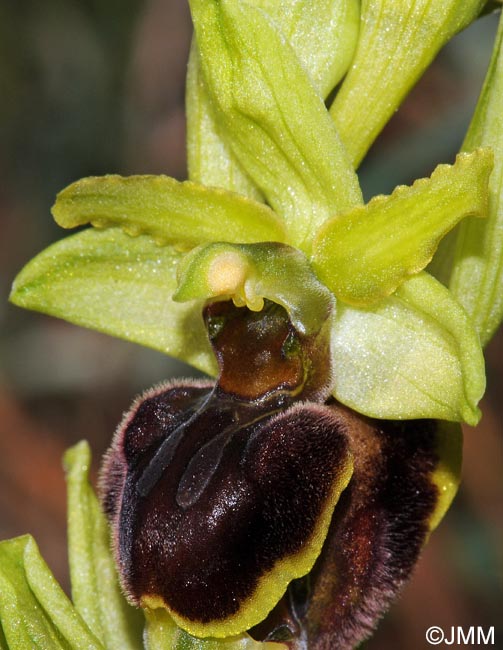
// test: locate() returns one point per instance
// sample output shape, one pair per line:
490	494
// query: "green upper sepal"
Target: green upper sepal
363	255
250	273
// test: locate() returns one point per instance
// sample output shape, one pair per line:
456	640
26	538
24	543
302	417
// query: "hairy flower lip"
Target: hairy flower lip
261	476
214	492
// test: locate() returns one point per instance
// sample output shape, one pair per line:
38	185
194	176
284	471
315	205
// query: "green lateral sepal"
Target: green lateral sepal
113	283
414	355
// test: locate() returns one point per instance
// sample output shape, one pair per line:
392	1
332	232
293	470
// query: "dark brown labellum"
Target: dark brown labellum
221	495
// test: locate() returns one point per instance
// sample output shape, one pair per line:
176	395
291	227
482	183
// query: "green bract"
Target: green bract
323	34
36	614
398	40
476	277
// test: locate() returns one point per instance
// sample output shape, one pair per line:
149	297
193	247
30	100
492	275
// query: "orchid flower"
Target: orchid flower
284	501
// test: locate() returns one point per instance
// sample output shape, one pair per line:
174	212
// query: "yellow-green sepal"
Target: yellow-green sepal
249	273
210	159
113	283
413	355
182	213
398	40
272	116
363	255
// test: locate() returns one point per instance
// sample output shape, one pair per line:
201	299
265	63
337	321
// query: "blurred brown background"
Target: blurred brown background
90	87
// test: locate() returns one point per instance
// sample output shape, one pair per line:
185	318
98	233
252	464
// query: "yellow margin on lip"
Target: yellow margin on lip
447	474
272	585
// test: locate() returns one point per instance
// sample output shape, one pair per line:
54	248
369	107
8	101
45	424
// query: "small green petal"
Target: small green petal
365	254
248	273
95	586
273	117
35	612
477	273
414	355
162	632
185	213
119	285
398	40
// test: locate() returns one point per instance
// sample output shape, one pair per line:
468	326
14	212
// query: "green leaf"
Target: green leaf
323	34
35	613
119	285
185	214
414	355
365	254
162	633
95	586
477	274
398	40
273	117
248	273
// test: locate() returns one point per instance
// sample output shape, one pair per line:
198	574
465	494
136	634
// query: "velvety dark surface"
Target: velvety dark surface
209	488
218	519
